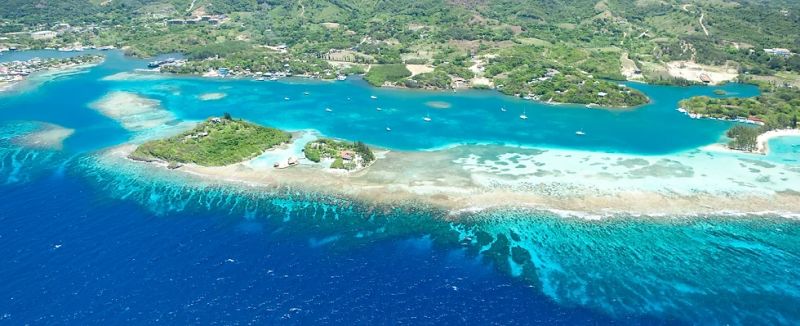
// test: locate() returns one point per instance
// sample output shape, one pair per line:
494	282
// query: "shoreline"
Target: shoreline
428	182
46	75
762	141
396	87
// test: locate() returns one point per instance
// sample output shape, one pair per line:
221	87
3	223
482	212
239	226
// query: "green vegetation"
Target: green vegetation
537	72
777	107
379	74
517	41
345	155
744	138
214	142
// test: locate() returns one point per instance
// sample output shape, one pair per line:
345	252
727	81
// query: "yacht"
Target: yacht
328	110
502	109
388	129
378	109
524	115
427	118
580	133
286	98
373	97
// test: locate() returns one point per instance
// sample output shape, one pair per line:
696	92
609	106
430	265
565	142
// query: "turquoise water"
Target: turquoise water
472	116
86	242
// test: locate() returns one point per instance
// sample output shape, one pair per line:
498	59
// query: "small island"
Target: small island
345	155
214	142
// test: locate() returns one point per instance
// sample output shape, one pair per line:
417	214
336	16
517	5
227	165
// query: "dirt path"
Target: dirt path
703	15
191	6
302	9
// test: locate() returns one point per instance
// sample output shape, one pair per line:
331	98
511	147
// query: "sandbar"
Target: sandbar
132	111
212	96
46	136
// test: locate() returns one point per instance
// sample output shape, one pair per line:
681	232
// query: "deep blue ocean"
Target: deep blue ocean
84	243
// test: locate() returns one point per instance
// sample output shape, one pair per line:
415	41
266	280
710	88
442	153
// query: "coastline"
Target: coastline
44	76
140	75
431	179
762	141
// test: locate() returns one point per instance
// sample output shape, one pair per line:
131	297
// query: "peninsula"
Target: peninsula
14	72
777	108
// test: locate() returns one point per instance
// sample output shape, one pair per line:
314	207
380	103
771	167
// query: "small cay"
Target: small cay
214	142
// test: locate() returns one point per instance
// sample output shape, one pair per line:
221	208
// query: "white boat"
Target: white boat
427	118
502	109
388	129
328	110
524	115
373	97
286	98
580	133
341	77
378	109
273	78
260	79
306	93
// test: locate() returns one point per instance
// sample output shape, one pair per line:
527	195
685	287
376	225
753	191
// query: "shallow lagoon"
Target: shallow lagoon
91	235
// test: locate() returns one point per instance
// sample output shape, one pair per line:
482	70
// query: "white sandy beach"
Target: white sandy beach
762	142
